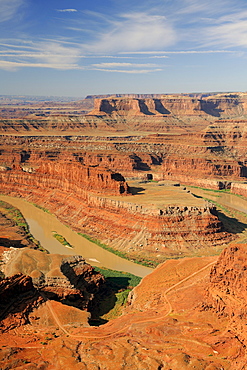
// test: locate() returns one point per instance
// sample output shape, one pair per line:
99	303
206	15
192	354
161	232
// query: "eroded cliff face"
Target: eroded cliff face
18	296
176	105
33	277
87	199
167	113
166	324
226	296
217	153
227	285
63	170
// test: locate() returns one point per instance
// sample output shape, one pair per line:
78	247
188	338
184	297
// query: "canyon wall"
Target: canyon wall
226	295
167	113
87	199
239	188
69	280
176	105
76	176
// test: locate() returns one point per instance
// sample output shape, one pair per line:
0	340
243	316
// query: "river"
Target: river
227	199
42	225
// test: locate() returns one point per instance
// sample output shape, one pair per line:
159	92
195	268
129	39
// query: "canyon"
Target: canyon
122	172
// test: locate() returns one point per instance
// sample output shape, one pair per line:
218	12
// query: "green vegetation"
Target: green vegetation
233	221
141	261
62	240
13	214
110	303
42	208
212	190
223	208
119	279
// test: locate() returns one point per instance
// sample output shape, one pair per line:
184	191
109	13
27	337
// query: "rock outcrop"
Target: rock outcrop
239	188
17	298
130	113
226	296
165	326
176	105
82	187
133	228
68	279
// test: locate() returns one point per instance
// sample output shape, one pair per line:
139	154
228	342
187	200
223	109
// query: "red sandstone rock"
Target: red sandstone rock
67	279
176	105
165	325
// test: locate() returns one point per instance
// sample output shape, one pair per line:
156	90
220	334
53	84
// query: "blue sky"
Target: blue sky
82	47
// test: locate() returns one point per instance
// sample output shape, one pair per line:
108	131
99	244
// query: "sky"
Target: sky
81	47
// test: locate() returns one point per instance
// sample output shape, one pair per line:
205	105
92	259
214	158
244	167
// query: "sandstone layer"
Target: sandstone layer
160	113
79	177
111	184
181	316
69	280
97	201
175	105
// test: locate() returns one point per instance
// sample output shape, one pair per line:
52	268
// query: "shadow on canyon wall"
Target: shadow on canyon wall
231	224
7	243
135	190
106	300
104	295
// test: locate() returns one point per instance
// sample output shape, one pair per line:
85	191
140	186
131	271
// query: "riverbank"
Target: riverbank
42	224
231	208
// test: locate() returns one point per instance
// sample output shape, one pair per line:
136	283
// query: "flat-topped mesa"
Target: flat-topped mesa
177	105
156	232
225	105
69	174
174	105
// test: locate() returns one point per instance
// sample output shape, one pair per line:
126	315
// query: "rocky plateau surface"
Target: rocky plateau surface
160	113
113	172
187	314
97	201
32	277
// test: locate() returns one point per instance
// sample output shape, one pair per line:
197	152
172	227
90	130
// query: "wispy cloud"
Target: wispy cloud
136	65
135	31
159	56
229	31
14	66
67	10
9	8
43	54
181	27
177	52
208	7
133	71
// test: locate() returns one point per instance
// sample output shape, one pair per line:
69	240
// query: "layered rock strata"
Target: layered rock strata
188	313
69	280
220	157
240	189
167	113
176	105
132	228
17	299
226	296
